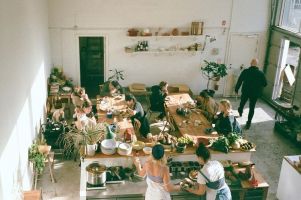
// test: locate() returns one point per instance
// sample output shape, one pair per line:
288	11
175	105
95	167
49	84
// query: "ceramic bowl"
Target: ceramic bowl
147	150
108	146
124	149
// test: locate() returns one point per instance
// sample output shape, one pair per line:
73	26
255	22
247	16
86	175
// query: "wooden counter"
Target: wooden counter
194	124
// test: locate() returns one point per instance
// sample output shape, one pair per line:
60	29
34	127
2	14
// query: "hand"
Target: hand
136	161
130	111
137	124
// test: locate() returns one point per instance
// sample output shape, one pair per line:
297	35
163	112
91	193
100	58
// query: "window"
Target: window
291	15
297	4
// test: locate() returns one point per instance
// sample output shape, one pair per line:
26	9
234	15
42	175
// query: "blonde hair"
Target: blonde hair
226	103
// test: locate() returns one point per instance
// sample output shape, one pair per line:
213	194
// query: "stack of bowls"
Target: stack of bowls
108	146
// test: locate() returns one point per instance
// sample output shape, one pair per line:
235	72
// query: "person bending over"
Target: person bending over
137	114
157	98
211	178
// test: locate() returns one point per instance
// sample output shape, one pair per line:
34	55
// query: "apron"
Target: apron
223	193
155	189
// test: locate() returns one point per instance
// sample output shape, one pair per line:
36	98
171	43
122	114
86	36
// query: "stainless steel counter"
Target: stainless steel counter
127	190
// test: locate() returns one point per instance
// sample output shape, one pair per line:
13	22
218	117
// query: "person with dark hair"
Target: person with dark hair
78	96
208	105
115	88
58	114
253	81
157	98
138	118
157	175
87	108
211	178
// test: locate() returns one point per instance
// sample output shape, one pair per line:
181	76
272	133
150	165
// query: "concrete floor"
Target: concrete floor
271	147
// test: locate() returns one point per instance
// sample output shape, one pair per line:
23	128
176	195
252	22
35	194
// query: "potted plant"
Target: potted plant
182	142
213	71
88	137
37	158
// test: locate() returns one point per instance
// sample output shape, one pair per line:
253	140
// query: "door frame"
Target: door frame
77	53
228	51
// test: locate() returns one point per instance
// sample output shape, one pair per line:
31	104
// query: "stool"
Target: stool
50	160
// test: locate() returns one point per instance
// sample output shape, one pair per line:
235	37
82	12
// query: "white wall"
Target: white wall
24	64
112	19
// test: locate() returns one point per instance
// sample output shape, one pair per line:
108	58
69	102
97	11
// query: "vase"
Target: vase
91	148
180	148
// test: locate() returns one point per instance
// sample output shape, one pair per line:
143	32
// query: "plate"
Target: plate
66	89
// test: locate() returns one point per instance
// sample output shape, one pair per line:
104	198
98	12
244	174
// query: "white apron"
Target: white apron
156	191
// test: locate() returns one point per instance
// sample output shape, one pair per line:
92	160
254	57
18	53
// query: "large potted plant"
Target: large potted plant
37	157
88	137
213	71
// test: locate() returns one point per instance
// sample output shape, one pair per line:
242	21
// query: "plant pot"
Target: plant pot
209	92
180	148
91	148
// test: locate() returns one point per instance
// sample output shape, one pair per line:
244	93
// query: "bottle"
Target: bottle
110	134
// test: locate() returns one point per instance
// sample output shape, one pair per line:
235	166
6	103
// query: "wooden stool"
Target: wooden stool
50	160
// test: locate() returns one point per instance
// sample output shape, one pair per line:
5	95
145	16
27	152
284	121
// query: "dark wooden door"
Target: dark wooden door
91	64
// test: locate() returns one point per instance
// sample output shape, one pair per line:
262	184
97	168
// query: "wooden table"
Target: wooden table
117	104
188	125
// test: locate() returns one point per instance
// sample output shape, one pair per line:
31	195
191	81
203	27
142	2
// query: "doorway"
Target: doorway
285	80
91	50
242	48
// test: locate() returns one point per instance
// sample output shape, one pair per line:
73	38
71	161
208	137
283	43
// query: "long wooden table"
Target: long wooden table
194	124
116	104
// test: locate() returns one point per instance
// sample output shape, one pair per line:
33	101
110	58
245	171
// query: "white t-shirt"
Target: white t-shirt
214	171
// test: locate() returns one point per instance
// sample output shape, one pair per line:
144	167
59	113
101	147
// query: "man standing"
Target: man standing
253	81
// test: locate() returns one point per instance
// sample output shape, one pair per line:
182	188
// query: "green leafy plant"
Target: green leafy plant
117	75
75	138
37	158
213	71
184	140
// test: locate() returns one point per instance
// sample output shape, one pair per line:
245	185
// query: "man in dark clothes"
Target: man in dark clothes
253	81
137	115
157	98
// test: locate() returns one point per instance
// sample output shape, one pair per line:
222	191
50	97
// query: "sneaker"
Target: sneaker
248	125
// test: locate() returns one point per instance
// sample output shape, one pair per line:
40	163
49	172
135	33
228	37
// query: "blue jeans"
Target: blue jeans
223	194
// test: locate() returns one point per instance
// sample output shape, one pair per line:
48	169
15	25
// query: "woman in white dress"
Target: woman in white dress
211	178
157	175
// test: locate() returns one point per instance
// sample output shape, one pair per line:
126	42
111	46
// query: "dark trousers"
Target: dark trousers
252	102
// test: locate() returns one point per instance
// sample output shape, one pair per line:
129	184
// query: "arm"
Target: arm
141	171
239	81
200	189
166	180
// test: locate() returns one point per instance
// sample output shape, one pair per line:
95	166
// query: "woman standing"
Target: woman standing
157	175
211	178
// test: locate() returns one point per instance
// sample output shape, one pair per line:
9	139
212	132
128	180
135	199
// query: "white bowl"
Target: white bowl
147	150
124	149
108	146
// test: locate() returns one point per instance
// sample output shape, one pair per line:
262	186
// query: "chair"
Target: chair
139	89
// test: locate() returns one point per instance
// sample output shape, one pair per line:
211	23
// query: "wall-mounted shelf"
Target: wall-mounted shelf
170	53
171	37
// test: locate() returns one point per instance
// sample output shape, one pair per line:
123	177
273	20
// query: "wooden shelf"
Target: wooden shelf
165	52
